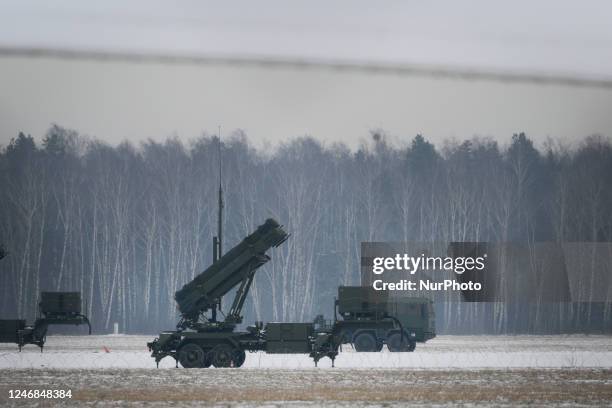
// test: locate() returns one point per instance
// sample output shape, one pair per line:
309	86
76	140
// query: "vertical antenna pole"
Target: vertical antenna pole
220	219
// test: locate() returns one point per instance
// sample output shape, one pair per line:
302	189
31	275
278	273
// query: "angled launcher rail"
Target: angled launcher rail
236	268
56	308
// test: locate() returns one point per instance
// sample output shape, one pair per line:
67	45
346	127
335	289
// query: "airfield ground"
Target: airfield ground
449	370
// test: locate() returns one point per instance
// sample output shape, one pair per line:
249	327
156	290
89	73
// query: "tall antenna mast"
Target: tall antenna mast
220	219
218	240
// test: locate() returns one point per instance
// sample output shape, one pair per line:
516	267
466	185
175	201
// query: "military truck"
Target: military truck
55	308
369	320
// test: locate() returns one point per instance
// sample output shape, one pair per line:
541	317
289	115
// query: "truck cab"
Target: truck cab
369	319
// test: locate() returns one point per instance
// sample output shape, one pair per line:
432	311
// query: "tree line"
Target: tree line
128	225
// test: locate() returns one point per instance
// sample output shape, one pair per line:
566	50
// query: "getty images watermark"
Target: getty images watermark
490	271
414	264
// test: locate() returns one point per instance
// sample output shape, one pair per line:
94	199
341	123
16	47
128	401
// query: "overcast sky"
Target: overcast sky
116	100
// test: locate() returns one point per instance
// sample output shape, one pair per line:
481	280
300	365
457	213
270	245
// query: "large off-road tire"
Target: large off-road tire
224	355
365	342
397	343
239	357
207	362
191	356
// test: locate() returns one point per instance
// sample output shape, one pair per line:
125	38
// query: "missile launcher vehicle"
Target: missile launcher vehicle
368	320
202	340
56	308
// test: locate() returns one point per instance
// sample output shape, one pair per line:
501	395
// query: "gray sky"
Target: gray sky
547	36
116	100
122	100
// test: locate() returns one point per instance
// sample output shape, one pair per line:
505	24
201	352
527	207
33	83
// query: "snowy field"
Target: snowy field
469	370
444	352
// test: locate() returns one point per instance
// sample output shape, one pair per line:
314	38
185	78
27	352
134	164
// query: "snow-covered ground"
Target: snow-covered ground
501	371
443	352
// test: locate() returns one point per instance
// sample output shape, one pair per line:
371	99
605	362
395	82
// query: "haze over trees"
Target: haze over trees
129	225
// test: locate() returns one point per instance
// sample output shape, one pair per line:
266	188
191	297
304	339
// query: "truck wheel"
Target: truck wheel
239	357
224	355
191	356
365	342
396	343
207	362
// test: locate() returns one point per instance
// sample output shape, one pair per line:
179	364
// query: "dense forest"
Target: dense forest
129	225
